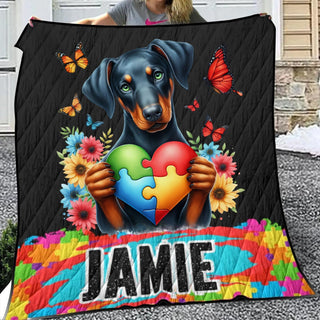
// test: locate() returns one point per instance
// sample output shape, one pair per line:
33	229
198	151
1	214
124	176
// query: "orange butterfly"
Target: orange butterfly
75	107
79	59
219	74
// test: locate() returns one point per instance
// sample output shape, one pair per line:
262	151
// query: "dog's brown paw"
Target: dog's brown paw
202	175
100	181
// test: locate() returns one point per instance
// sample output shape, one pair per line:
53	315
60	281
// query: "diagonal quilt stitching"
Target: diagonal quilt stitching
38	210
240	110
37	81
61	75
239	143
242	73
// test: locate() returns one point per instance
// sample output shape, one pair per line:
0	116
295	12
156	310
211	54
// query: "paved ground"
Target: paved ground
299	177
8	187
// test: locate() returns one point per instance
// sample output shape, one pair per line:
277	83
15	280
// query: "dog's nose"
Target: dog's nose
152	113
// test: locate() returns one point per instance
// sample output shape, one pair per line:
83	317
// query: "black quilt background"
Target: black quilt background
44	87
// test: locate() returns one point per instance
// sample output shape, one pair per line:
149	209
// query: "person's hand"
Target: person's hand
31	19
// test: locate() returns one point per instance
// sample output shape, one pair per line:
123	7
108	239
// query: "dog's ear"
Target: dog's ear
97	87
179	56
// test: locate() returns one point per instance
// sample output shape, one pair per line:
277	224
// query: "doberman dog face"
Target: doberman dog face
141	80
142	83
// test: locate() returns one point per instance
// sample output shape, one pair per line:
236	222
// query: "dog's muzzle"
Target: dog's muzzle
152	113
147	98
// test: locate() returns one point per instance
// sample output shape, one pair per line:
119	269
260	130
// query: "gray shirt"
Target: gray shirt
135	12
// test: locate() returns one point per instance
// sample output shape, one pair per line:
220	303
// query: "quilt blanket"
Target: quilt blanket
146	168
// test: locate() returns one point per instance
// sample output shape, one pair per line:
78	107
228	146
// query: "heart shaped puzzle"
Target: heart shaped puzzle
152	186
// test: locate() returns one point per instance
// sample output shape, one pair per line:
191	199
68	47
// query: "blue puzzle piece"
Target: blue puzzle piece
150	215
270	290
130	192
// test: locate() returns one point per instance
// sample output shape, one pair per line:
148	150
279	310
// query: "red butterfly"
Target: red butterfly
207	130
194	106
219	73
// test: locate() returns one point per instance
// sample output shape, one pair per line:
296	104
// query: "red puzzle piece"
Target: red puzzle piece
160	214
173	153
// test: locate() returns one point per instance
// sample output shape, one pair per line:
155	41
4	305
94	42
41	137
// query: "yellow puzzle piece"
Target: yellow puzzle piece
169	190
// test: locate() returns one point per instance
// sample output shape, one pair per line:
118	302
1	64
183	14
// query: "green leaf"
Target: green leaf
77	130
223	146
108	141
65	131
194	148
192	141
213	216
240	190
234	210
60	155
102	139
189	134
232	154
109	131
104	135
110	136
201	147
107	146
84	195
64	151
62	163
105	152
198	140
65	134
227	152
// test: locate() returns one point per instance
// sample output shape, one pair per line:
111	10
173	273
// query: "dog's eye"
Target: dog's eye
125	88
158	75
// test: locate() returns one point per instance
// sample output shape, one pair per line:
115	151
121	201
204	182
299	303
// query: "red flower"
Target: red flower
91	148
224	165
83	215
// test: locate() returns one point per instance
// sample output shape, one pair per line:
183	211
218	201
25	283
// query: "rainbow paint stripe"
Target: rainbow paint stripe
253	260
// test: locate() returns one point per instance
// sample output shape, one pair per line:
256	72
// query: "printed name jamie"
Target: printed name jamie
177	268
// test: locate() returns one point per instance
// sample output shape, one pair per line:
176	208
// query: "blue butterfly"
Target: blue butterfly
93	125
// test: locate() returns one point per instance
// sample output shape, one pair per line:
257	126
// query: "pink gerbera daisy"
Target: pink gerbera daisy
224	165
91	148
83	215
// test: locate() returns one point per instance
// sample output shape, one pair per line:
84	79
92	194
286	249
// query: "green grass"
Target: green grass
7	252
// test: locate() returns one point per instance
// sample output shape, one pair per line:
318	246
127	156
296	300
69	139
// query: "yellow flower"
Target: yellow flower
222	194
75	169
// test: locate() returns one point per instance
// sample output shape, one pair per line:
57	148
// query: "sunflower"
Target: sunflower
74	141
224	165
91	149
83	215
75	169
209	151
222	194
